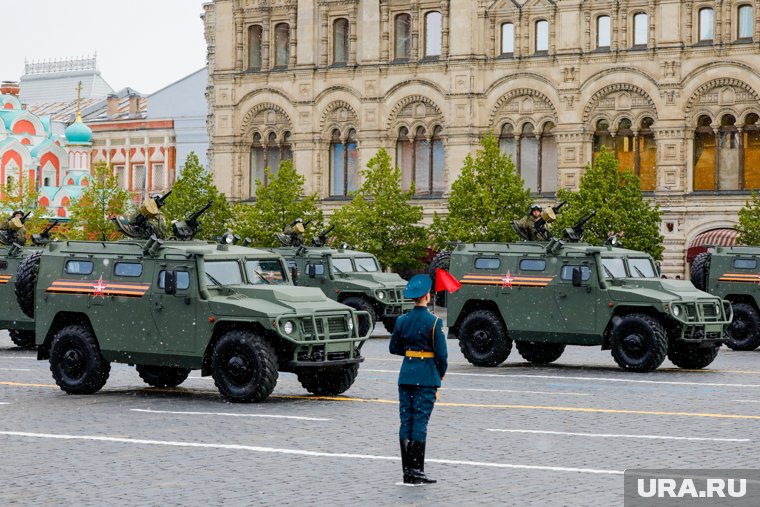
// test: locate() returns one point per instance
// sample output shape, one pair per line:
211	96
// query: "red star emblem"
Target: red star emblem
99	288
507	279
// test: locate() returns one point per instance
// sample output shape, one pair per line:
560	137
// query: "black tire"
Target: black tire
244	366
26	282
441	260
389	323
76	362
483	339
744	331
329	381
162	376
690	356
540	353
699	270
361	304
639	343
23	339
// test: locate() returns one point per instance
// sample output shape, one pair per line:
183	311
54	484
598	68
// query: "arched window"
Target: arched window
746	21
421	160
254	47
507	39
344	163
547	166
433	33
267	154
751	152
624	146
282	45
542	36
438	162
340	40
507	142
729	163
603	33
640	29
258	162
647	156
403	37
405	158
706	24
529	156
273	155
704	154
602	138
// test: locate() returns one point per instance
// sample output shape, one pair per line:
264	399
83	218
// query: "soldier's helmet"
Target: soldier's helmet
533	208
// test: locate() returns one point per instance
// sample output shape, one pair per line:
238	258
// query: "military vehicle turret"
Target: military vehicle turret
544	296
732	273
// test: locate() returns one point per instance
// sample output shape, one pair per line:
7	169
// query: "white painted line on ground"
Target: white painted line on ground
33	358
4	403
227	414
15	369
594	379
514	391
300	452
612	435
746	401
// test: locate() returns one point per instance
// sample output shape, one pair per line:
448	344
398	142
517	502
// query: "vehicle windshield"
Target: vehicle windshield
223	273
368	264
342	265
265	272
614	268
641	267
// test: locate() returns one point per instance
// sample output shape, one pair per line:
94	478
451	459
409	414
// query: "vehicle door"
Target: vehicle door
531	294
576	300
315	274
175	314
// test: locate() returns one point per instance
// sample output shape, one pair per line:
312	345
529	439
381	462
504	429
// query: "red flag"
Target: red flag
444	281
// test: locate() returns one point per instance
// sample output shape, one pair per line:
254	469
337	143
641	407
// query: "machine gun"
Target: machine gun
575	233
147	222
293	234
548	216
185	230
43	238
12	231
321	240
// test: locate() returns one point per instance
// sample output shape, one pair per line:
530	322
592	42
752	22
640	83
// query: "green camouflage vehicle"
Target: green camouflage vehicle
349	277
546	296
732	273
171	307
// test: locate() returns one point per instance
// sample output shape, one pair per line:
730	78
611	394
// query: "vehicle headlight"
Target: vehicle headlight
380	294
717	309
288	327
676	310
350	323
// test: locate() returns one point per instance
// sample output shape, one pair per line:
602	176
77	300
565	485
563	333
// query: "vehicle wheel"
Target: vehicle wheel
483	339
744	331
389	323
26	282
441	260
244	366
540	353
23	339
328	381
699	269
361	304
76	362
162	376
639	343
691	356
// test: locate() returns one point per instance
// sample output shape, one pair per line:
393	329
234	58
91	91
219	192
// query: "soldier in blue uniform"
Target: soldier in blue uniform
418	336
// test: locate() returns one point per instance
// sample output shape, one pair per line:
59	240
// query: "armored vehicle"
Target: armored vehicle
546	296
171	307
732	273
352	278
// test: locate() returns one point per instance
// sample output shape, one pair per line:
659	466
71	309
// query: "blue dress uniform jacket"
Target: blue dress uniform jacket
414	331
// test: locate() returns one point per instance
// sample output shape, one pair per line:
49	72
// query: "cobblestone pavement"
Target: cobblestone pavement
516	435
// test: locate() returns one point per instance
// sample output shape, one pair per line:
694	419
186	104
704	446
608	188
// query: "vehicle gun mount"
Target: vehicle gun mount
13	231
147	221
185	230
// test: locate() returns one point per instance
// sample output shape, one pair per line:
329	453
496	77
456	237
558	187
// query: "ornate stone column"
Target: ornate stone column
415	30
239	34
293	60
352	37
444	30
323	37
385	32
265	38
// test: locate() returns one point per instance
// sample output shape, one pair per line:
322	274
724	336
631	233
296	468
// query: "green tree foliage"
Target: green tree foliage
620	208
485	198
277	205
381	220
102	199
749	222
23	196
192	191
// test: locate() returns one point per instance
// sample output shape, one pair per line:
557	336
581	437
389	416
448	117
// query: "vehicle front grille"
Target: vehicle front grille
710	312
336	326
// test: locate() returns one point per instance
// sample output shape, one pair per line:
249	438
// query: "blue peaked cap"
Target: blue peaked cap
418	286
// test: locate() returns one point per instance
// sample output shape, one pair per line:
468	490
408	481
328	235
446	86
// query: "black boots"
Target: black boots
413	462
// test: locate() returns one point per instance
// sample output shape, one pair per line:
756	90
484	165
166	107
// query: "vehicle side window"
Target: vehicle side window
319	269
3	264
532	265
79	267
745	263
567	273
183	280
133	269
487	263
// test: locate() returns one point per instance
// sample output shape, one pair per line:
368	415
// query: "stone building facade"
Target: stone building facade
672	87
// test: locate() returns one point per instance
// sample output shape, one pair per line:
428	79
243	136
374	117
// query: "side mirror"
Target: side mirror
294	274
311	270
170	282
577	277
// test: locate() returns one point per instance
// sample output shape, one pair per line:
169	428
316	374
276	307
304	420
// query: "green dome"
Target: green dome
78	133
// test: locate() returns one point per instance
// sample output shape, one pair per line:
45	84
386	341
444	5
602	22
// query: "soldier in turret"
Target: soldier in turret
528	224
